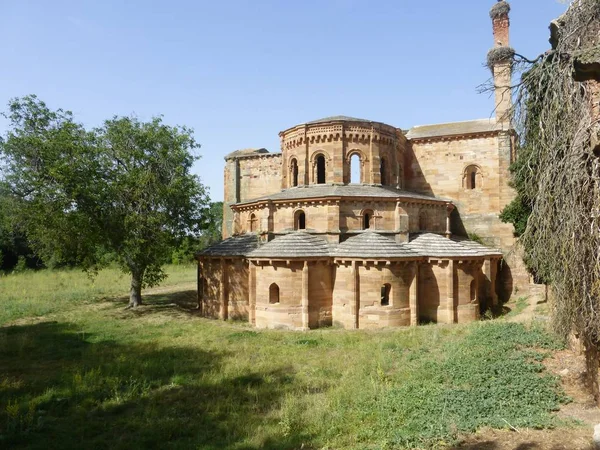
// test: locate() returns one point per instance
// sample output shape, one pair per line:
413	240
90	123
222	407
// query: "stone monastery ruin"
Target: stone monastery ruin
307	246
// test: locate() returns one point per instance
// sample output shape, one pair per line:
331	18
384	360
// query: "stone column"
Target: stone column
450	291
371	178
333	222
251	293
413	298
449	209
493	272
223	306
305	296
306	157
355	305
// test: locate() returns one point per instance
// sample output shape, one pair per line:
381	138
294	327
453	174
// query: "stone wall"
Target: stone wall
211	272
432	291
246	178
320	294
438	167
372	278
339	216
226	281
288	312
468	276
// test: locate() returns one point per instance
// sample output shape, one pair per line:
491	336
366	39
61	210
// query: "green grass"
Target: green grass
78	371
520	305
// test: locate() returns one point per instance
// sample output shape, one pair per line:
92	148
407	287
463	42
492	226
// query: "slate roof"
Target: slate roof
369	244
372	245
453	128
233	246
429	244
338	118
246	152
294	245
347	190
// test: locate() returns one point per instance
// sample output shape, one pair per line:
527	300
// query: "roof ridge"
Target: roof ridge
490	119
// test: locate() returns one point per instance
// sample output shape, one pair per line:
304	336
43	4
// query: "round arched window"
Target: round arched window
472	177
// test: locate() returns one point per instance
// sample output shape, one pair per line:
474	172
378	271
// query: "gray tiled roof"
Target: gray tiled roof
334	118
453	128
429	244
294	245
233	246
347	190
369	244
247	152
372	245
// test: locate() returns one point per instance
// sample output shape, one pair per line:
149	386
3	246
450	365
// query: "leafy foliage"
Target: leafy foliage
125	188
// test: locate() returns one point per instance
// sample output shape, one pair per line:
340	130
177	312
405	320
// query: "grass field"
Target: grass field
77	370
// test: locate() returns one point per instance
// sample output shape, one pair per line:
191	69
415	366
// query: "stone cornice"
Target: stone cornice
255	156
336	200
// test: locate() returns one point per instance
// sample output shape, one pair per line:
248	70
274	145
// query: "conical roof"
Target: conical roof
233	246
294	245
429	244
373	245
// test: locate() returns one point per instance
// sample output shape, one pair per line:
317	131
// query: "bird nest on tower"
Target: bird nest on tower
500	55
500	9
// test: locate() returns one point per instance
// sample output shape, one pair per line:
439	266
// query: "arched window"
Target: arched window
294	172
355	169
385	294
472	178
299	220
320	169
274	293
367	219
253	223
473	293
382	171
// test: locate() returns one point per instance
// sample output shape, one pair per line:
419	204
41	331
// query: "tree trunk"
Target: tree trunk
591	362
135	294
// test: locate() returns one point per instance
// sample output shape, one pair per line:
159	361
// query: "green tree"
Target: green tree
124	188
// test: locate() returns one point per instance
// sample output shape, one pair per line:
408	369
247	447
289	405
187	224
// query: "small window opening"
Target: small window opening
473	180
355	175
294	173
320	169
382	171
300	221
274	293
473	293
253	222
367	216
385	294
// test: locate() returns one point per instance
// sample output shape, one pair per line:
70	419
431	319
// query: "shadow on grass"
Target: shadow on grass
170	303
62	388
494	445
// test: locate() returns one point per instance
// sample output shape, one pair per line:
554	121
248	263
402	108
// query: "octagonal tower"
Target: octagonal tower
322	152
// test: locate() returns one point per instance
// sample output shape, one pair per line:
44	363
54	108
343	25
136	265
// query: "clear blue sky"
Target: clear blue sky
238	72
